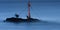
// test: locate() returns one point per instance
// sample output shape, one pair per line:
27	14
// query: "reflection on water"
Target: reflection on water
29	26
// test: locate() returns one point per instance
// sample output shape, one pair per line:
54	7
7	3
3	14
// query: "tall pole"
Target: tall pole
29	16
29	8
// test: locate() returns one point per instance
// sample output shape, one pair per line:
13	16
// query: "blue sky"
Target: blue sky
41	9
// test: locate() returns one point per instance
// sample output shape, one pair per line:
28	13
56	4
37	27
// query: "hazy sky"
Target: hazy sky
42	9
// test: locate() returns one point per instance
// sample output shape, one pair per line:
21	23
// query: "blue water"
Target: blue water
29	26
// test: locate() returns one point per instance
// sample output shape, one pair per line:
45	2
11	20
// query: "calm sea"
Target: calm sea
29	26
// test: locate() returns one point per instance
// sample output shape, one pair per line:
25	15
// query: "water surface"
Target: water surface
29	26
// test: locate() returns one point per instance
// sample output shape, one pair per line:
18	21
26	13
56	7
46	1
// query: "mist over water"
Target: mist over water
41	9
46	10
